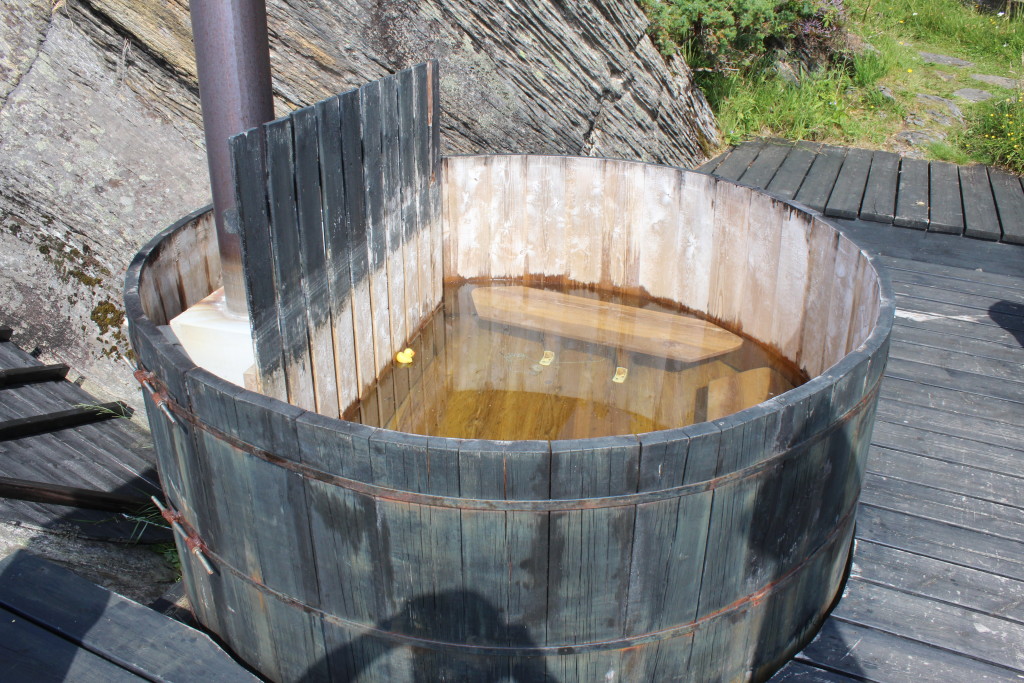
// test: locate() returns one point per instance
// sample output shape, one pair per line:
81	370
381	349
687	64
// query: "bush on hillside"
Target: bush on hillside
746	34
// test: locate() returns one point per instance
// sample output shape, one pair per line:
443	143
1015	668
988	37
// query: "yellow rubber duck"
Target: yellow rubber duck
405	357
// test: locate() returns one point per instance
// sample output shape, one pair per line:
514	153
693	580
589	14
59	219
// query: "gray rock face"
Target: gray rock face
999	81
950	106
101	143
973	94
944	60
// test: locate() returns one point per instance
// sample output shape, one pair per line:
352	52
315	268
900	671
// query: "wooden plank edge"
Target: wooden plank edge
48	422
39	373
73	496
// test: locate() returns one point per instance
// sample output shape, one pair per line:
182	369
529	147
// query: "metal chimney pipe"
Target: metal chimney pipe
233	64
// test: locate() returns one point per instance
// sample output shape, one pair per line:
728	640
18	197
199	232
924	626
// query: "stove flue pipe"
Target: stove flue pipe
233	64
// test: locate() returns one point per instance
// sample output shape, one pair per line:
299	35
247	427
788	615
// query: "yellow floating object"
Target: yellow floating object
620	375
405	357
547	358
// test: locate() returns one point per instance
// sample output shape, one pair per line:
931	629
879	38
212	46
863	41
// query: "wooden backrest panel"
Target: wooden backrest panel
338	211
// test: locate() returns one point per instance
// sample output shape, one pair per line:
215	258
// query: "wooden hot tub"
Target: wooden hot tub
344	551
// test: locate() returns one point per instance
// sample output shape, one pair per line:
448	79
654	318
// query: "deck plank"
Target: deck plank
1009	196
735	165
766	165
821	177
87	616
790	176
879	202
912	195
980	217
947	210
845	200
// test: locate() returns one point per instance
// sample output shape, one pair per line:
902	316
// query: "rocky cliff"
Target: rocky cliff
101	143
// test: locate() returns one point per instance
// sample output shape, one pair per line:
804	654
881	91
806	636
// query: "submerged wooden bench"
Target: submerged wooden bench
656	333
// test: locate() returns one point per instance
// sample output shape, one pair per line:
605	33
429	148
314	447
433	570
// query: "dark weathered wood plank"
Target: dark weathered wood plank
356	222
879	202
988	639
992	361
821	177
992	554
18	428
337	248
995	287
96	619
371	111
969	447
912	196
790	176
32	653
933	375
933	497
798	672
739	159
845	200
961	479
1009	198
766	165
394	234
952	401
943	581
947	210
864	652
313	260
56	494
249	171
39	373
298	368
711	164
980	217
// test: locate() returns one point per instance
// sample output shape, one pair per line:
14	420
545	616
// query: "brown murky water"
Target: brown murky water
506	362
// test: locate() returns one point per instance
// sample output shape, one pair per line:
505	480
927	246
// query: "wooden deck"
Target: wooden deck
58	440
56	626
937	581
882	187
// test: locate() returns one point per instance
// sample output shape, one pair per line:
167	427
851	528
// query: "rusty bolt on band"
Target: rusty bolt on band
159	399
193	542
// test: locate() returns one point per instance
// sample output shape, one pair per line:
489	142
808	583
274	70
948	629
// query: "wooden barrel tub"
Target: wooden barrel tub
711	552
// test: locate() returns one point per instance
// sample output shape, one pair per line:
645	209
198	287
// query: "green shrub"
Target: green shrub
741	34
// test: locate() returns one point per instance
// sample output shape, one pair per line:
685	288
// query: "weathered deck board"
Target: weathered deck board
912	195
879	203
947	209
821	177
57	626
112	457
980	217
881	187
845	200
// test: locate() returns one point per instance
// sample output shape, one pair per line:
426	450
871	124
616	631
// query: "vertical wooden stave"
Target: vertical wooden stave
286	253
337	248
249	171
309	191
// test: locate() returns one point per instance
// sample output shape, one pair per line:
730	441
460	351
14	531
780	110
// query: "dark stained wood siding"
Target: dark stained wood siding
339	223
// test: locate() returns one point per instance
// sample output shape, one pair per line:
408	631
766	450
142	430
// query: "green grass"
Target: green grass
843	103
994	133
832	105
